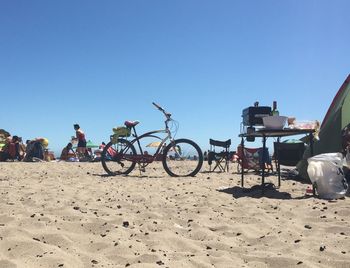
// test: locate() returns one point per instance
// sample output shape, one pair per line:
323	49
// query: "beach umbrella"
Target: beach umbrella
4	134
89	144
154	144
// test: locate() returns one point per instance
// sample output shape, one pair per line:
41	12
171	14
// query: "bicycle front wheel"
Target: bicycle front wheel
182	158
117	158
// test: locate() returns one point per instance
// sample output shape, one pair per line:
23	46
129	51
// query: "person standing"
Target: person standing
80	136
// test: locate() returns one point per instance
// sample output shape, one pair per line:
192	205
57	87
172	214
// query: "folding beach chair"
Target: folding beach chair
288	154
247	160
222	158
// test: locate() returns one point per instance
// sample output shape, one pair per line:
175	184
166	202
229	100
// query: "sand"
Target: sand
72	215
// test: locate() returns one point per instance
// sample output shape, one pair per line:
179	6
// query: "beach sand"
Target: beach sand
72	215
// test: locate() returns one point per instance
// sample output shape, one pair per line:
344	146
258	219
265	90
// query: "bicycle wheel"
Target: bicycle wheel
117	158
182	158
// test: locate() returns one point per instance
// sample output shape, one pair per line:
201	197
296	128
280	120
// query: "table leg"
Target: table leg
242	163
311	136
263	161
311	144
278	162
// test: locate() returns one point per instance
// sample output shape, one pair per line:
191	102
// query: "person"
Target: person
15	148
89	153
36	149
11	150
22	148
67	152
102	145
99	151
345	138
265	159
205	156
80	137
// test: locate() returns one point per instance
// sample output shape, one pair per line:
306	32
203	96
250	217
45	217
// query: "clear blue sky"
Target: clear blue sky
98	63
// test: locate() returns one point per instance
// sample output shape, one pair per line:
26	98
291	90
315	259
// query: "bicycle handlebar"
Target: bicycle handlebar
167	115
158	107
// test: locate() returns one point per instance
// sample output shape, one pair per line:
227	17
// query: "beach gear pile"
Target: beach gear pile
327	176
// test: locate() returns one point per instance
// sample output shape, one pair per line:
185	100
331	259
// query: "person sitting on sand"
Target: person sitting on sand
67	152
345	135
36	149
102	146
99	151
11	150
21	148
265	162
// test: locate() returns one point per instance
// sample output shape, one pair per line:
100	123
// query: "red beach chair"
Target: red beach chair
250	159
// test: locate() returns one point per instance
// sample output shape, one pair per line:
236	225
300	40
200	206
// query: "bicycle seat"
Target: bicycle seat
131	123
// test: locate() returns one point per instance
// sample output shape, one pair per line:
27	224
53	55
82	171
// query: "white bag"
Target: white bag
347	159
326	172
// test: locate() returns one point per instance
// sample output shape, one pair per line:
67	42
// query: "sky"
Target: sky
99	63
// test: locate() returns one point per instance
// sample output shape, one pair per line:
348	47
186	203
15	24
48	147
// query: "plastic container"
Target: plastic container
274	122
305	124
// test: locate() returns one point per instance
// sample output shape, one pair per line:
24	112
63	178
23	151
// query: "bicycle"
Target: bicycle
180	157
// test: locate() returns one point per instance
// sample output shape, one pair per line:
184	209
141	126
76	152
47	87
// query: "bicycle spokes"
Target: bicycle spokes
182	158
118	157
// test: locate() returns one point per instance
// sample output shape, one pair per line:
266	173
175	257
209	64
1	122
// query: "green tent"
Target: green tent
336	118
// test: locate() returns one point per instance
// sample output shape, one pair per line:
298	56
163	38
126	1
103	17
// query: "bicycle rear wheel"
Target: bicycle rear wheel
182	158
117	158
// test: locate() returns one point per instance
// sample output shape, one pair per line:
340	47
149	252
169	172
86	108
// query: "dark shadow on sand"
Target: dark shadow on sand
124	176
257	191
103	175
267	190
145	176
